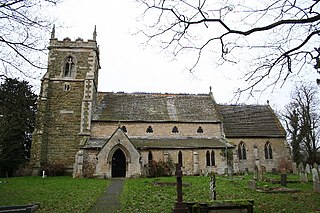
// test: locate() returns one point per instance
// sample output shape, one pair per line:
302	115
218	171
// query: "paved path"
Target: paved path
109	201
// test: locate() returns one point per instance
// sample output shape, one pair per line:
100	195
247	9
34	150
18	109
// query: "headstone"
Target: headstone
252	184
308	169
283	179
263	170
246	170
305	177
294	168
301	168
315	166
302	174
315	179
274	171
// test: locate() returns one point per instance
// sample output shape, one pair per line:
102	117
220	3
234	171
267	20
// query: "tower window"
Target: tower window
66	87
175	130
124	128
242	154
149	129
69	67
200	130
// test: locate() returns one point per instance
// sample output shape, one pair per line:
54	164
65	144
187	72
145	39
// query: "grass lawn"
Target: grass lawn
65	194
54	194
140	195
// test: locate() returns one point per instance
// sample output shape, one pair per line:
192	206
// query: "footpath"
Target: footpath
109	201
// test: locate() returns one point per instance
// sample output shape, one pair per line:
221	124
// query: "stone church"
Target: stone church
106	134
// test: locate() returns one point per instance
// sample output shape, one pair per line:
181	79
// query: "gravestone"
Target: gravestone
294	168
246	171
308	169
315	179
252	184
283	179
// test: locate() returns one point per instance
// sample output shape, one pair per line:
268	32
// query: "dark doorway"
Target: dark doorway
118	164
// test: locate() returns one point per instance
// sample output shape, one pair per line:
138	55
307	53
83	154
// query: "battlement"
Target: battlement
68	43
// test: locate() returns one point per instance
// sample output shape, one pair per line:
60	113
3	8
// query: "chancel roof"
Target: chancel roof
155	107
250	121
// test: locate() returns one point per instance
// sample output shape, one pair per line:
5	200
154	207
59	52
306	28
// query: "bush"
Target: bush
158	169
55	169
24	170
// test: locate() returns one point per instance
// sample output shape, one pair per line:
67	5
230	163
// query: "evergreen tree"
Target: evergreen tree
17	116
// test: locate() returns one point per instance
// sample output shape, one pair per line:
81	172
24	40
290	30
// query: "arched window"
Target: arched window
268	150
124	128
180	158
175	130
242	154
149	129
213	160
200	130
208	158
150	156
69	67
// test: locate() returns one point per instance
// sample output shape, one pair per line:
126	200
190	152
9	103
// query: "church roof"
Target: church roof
155	107
191	143
165	143
250	121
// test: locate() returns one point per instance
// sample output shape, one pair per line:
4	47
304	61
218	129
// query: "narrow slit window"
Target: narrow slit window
213	160
208	158
150	157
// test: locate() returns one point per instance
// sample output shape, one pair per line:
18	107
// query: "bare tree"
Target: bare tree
23	24
302	120
278	38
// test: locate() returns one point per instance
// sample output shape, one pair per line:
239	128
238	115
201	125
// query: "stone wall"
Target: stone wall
193	160
135	129
256	155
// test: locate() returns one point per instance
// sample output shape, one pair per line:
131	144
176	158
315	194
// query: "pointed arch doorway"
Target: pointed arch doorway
118	164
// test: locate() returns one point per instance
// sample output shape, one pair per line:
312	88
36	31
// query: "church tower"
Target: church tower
66	100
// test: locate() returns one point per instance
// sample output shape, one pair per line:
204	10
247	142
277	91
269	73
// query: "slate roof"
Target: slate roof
250	121
155	107
165	143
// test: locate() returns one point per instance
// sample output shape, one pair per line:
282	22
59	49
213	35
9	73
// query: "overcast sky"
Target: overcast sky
126	65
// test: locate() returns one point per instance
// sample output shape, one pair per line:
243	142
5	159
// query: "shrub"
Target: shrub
54	169
24	170
285	164
158	169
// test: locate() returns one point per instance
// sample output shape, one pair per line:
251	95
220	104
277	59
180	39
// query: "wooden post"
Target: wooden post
213	186
180	206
